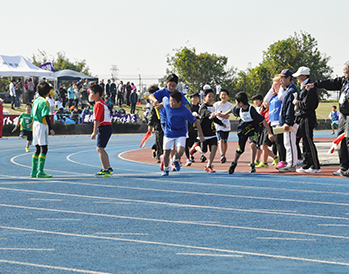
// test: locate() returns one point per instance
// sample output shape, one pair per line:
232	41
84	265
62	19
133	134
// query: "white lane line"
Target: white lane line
57	219
118	203
178	245
48	200
178	205
27	249
117	233
339	225
178	222
208	255
285	239
53	267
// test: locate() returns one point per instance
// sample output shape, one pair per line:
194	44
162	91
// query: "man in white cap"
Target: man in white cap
306	118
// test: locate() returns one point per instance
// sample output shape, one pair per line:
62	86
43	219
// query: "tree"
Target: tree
197	69
60	62
292	53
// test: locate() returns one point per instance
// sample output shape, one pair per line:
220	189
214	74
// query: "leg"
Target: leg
103	155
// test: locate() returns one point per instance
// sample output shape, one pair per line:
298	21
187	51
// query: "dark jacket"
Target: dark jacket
339	83
153	120
134	97
207	124
287	111
307	104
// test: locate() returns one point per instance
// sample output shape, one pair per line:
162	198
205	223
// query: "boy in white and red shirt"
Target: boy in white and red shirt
102	128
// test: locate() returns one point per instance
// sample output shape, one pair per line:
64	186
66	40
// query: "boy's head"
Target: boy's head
96	92
241	99
195	98
257	99
208	96
175	99
172	82
153	88
28	108
43	89
224	95
334	108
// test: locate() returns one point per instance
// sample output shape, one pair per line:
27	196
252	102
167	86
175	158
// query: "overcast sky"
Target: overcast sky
138	35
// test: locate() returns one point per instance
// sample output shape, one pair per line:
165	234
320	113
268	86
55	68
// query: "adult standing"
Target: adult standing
128	92
63	94
342	84
107	88
71	94
218	90
12	90
31	88
102	85
121	91
306	118
18	87
133	99
287	120
112	90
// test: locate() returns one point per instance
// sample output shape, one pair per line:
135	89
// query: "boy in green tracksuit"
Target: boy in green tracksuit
41	129
26	128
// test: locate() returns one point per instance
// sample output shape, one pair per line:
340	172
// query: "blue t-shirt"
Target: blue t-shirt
176	120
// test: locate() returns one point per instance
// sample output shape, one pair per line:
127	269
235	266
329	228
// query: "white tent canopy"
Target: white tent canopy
19	66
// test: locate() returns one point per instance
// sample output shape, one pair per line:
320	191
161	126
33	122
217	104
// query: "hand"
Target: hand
224	125
294	101
93	136
286	127
271	137
309	86
52	132
14	129
202	138
150	129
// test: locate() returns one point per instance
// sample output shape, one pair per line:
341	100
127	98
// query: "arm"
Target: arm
48	121
270	134
201	134
155	101
95	128
309	102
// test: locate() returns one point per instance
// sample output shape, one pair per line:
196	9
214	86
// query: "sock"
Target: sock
41	162
167	168
35	159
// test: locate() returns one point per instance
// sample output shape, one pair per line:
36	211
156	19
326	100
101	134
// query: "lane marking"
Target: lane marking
117	233
177	245
27	249
285	239
333	225
177	204
57	219
48	200
178	222
53	267
208	255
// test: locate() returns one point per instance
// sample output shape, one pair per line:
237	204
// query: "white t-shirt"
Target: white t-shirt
220	107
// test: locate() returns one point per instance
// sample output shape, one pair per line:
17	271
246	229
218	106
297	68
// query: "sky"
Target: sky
137	36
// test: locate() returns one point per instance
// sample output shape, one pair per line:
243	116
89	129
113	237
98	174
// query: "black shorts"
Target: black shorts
264	139
210	142
27	133
223	135
103	136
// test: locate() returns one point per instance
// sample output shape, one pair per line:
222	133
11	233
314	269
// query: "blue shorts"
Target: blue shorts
103	136
223	135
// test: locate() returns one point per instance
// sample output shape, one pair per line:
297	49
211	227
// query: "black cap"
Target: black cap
286	73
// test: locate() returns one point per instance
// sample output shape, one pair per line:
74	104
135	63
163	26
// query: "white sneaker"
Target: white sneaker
301	170
337	173
312	170
188	163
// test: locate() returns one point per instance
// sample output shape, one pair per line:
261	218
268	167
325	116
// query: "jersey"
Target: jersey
101	113
26	122
222	108
250	120
41	108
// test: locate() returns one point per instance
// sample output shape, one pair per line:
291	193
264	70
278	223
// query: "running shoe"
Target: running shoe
162	165
255	163
203	159
188	163
276	161
111	170
332	133
27	149
177	165
209	169
154	153
165	173
313	170
223	159
288	169
337	173
232	168
173	167
253	168
43	175
193	148
33	174
281	164
301	170
262	164
192	158
103	173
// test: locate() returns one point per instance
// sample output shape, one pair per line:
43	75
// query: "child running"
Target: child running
102	128
41	129
176	116
26	128
249	128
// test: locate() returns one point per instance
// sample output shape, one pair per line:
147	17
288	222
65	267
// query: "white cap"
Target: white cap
302	71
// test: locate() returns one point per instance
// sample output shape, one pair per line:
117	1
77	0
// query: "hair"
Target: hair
172	78
347	64
241	97
177	96
29	105
97	89
195	94
276	78
153	88
224	90
43	89
257	97
334	107
207	91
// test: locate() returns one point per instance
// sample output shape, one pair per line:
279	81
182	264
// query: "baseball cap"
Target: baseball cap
302	71
286	73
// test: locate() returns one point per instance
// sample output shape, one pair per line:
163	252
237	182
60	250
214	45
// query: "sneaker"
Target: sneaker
193	148
276	161
27	149
281	164
288	169
252	168
162	165
33	174
154	153
177	165
337	173
203	159
43	175
313	170
232	168
345	173
173	167
165	173
209	169
103	173
299	162
262	164
301	170
111	170
332	133
192	158
188	163
255	163
158	161
223	159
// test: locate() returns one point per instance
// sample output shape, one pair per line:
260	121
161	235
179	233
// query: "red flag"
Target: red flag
336	142
145	139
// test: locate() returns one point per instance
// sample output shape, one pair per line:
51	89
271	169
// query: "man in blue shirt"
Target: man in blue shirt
175	116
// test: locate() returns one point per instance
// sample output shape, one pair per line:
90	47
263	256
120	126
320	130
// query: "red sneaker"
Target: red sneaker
209	169
162	165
